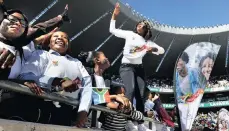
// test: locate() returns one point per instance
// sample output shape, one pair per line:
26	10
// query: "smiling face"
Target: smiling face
59	42
206	67
13	26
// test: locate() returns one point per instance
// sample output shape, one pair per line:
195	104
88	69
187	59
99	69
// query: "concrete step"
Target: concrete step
11	125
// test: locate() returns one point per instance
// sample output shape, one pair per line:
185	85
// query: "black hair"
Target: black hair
87	58
209	55
19	42
185	57
114	89
46	42
153	94
146	28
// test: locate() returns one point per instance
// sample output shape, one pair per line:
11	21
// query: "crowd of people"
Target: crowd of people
208	120
218	82
215	82
162	83
52	69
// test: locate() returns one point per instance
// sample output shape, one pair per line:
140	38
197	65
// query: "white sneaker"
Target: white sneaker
131	126
142	127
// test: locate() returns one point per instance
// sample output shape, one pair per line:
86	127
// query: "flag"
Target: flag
100	95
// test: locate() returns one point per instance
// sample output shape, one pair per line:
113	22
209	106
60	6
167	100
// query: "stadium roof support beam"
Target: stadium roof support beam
227	51
90	25
110	35
155	38
43	12
190	42
115	60
209	38
158	67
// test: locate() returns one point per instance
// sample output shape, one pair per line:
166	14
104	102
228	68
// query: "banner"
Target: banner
223	120
202	105
192	71
206	90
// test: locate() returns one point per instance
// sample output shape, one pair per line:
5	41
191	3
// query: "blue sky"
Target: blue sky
188	13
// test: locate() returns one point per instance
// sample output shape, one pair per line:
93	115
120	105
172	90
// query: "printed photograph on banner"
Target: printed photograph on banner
193	70
191	75
223	120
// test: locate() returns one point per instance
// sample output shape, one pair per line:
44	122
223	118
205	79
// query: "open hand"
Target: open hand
81	119
34	88
117	9
150	114
69	85
7	58
64	15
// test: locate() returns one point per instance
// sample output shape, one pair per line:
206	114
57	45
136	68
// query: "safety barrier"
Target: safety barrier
15	87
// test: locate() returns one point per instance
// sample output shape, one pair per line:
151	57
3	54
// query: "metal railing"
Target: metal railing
15	87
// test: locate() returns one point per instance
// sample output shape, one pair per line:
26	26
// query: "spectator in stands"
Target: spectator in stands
187	81
116	122
11	20
149	104
162	113
14	27
96	64
206	64
24	43
137	44
57	71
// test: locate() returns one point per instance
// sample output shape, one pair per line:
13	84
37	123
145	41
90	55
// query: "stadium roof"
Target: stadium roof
89	30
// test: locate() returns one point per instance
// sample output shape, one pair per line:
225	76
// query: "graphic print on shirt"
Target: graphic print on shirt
55	63
137	49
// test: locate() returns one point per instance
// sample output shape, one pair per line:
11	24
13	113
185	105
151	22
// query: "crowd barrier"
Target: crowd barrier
15	87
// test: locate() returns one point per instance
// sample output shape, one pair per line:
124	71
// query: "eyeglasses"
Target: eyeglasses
15	19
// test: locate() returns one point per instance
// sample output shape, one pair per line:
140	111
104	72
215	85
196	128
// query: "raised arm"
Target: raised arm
44	39
42	28
117	32
2	10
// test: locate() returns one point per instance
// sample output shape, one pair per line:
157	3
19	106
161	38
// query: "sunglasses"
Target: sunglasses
15	19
